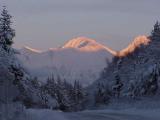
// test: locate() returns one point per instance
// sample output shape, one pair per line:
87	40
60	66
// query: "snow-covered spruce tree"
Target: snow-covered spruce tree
6	32
146	86
8	90
62	95
57	89
51	88
155	34
117	87
79	96
150	85
102	95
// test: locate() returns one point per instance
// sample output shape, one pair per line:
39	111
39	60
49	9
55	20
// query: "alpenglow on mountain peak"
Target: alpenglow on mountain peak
86	44
81	42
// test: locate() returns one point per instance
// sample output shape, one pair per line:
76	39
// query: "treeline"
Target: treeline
68	97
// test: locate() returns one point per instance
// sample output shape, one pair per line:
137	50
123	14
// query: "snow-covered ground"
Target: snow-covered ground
127	114
33	114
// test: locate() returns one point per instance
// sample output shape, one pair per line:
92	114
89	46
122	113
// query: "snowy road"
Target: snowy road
108	116
94	115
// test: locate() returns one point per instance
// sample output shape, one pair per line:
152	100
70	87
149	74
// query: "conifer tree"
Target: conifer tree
117	86
6	32
79	95
151	84
155	34
102	94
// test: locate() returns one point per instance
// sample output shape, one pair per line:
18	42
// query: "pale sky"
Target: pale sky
44	24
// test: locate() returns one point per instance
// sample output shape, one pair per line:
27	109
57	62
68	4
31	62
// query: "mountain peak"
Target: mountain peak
87	45
79	42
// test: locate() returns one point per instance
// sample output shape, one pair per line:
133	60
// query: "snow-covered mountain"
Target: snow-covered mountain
86	44
79	59
136	43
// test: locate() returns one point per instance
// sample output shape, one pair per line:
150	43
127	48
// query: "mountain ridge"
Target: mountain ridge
85	44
